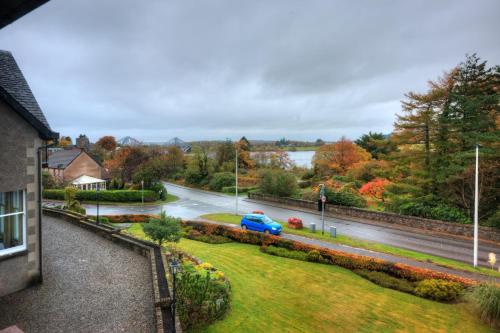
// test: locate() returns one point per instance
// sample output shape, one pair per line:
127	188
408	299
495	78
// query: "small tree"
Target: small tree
164	228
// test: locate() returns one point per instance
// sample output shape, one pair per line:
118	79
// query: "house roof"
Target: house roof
14	9
15	91
62	158
84	179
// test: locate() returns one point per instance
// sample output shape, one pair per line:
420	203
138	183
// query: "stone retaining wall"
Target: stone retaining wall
456	229
161	294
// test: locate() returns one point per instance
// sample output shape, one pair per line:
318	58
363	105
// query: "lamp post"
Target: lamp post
236	187
174	266
323	199
97	203
142	194
476	206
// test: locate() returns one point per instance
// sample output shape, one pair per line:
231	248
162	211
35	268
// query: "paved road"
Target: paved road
90	285
193	203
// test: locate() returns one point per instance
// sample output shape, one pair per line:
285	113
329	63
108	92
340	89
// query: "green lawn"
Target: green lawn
341	239
274	294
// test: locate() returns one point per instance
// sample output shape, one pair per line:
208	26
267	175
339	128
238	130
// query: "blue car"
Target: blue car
261	223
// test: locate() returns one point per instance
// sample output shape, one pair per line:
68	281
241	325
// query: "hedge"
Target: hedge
333	257
106	195
241	189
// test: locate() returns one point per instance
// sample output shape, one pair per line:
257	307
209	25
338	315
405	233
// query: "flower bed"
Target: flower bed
346	260
130	218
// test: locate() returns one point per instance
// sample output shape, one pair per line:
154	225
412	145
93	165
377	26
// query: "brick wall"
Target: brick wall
456	229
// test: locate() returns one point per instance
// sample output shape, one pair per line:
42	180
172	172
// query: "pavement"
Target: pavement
192	203
90	285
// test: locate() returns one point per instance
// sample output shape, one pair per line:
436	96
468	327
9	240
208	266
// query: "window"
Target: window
12	222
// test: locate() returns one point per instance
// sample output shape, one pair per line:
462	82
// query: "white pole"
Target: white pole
236	170
476	206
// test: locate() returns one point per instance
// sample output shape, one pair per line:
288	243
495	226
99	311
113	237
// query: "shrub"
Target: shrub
242	189
102	219
129	218
439	290
203	296
220	180
278	183
387	281
211	239
345	197
163	228
433	211
493	220
308	175
315	256
282	252
108	195
487	298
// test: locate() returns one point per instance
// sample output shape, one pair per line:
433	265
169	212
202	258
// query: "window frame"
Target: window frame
23	247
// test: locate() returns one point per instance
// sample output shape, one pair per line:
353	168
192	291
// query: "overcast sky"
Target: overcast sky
264	69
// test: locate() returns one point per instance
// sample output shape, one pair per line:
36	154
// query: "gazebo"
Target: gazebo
89	183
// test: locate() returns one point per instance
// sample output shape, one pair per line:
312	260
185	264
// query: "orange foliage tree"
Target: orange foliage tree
107	143
338	157
375	188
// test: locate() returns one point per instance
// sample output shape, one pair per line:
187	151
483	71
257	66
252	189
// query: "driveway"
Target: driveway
90	285
193	203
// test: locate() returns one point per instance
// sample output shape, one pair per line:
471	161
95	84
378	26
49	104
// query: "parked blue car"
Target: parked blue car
261	223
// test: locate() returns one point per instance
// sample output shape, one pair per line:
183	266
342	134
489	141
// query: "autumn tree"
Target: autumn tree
243	149
65	141
174	160
338	158
375	188
107	143
225	155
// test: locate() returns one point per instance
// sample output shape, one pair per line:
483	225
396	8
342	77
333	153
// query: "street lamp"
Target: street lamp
476	206
174	266
323	199
97	203
142	194
236	178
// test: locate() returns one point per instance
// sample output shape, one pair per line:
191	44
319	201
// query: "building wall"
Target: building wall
18	160
82	165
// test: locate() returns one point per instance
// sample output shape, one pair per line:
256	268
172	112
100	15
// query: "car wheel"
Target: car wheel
244	227
266	231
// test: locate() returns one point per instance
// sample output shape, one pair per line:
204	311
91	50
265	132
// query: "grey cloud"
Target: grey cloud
217	69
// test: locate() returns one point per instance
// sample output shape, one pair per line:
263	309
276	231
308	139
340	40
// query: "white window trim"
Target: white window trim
22	247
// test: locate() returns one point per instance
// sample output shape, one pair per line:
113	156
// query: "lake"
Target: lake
302	158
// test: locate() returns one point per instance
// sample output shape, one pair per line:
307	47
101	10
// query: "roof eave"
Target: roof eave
44	132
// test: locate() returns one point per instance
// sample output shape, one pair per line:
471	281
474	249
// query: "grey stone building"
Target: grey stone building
25	132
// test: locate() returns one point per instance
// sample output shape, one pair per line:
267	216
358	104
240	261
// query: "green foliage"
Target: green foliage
439	290
345	197
387	281
241	189
376	144
278	183
315	256
308	175
431	210
285	253
48	180
220	180
163	229
199	167
493	220
225	155
70	202
203	296
102	219
211	239
107	195
487	298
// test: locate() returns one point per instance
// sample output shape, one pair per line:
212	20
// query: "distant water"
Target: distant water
302	158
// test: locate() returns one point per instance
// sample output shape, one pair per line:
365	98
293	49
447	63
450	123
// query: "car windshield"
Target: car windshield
267	220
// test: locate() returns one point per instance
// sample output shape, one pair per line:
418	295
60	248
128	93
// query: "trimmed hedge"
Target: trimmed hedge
130	218
232	189
333	257
106	195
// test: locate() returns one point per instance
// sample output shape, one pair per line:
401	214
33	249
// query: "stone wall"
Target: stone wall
456	229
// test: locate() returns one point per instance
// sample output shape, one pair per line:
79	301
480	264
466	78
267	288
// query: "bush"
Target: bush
210	239
308	175
242	189
315	256
493	220
433	211
487	298
282	252
278	183
387	281
203	296
107	195
439	290
345	197
163	229
220	180
102	219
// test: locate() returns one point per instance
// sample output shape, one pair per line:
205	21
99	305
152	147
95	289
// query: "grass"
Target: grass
273	294
169	198
342	239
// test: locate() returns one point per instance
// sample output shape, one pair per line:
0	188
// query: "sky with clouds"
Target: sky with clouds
222	69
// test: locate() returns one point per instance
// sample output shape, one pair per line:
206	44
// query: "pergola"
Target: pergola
89	183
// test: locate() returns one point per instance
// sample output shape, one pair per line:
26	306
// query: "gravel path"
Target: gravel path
90	285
